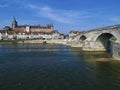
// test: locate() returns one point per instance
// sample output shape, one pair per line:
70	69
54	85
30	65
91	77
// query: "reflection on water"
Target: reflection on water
56	67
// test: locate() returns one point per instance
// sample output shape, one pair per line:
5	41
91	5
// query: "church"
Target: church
48	29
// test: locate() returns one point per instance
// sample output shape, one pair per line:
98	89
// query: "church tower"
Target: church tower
14	23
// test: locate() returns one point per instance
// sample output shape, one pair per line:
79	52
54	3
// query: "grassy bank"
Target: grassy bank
8	41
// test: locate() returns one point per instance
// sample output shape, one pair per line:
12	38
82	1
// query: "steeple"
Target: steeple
14	23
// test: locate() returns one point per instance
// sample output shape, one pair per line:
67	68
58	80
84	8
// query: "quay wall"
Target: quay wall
43	41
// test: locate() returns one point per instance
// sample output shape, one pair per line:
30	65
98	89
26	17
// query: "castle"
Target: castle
29	32
32	29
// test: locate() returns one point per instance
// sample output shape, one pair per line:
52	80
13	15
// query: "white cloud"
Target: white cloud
31	6
115	19
82	19
61	16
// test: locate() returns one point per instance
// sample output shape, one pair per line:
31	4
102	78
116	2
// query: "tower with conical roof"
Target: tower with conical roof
14	23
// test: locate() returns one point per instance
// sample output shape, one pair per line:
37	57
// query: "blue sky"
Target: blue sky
66	15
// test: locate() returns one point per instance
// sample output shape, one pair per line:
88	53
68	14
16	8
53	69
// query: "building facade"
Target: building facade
24	32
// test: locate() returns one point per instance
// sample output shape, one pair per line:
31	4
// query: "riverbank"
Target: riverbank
42	42
8	41
32	42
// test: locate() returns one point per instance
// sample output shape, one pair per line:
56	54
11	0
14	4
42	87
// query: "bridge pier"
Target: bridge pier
116	51
93	46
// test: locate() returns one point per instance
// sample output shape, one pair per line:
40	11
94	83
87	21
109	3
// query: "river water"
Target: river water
56	67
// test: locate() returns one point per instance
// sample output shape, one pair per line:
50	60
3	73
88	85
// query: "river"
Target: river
56	67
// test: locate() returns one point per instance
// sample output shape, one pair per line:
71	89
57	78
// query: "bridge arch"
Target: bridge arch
105	39
82	38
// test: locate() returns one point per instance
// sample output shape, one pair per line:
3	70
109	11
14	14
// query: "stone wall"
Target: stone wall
116	51
93	46
42	41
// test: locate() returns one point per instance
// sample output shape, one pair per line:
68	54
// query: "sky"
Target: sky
65	15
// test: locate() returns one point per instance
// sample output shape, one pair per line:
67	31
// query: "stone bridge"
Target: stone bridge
100	39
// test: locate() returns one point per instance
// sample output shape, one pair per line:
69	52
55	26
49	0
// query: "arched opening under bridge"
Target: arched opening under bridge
105	40
82	38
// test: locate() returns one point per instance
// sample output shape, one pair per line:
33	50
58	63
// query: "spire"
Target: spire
14	23
14	18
